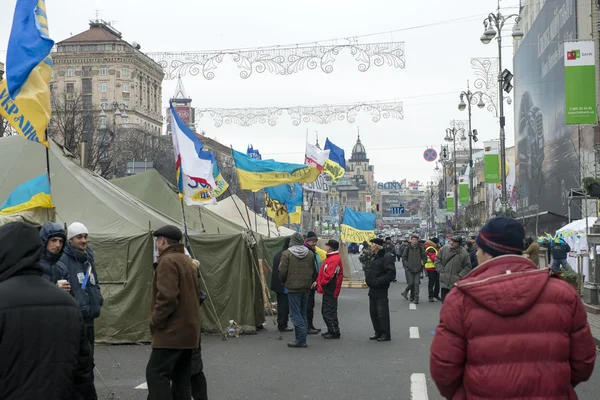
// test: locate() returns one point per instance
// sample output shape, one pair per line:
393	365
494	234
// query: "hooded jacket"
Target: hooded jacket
297	268
510	331
50	230
431	252
452	265
44	348
560	250
331	275
73	266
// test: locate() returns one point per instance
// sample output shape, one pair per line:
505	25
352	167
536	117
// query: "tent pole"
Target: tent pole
243	197
185	230
255	214
268	227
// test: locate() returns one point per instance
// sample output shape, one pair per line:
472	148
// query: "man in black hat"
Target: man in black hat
174	318
452	263
378	276
311	243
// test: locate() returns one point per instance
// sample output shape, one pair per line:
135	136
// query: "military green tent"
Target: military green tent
120	228
153	189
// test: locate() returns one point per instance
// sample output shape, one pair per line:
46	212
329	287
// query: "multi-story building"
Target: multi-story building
103	68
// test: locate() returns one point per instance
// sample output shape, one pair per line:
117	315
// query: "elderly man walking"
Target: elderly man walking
298	273
509	330
452	263
174	319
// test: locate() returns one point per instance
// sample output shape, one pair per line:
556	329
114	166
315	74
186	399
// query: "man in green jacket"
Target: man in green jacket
452	263
414	258
298	273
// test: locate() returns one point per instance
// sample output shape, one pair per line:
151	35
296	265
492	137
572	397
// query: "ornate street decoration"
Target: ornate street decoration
486	81
281	60
459	124
323	114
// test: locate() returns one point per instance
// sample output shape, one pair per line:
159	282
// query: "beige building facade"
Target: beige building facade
103	68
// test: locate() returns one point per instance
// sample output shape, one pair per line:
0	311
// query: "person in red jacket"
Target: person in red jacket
329	284
509	330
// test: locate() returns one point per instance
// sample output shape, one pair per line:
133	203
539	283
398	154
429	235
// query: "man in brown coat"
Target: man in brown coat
298	273
174	319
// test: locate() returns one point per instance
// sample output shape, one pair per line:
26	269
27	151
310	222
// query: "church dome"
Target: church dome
358	151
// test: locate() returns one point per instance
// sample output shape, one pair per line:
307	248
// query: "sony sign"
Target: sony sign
389	186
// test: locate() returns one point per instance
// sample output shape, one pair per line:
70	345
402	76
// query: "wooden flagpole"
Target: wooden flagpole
243	194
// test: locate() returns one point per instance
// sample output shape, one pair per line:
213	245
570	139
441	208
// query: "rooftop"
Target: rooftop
100	31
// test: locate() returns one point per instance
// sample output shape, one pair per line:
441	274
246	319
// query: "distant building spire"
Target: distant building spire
180	92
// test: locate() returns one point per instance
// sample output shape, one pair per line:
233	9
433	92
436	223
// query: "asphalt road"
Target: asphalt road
262	366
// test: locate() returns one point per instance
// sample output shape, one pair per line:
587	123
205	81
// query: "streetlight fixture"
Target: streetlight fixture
471	98
451	137
116	107
493	25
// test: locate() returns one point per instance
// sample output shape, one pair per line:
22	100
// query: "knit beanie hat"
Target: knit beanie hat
501	236
76	228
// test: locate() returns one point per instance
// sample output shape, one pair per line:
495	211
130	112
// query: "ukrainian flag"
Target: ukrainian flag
32	194
256	174
358	226
284	202
336	165
25	93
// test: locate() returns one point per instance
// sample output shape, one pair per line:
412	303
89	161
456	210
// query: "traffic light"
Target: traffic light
506	78
377	207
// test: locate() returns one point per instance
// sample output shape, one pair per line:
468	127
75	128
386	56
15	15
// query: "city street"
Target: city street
262	366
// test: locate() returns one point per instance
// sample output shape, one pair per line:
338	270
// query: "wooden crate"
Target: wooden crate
353	284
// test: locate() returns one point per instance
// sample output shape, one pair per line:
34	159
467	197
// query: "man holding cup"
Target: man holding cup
53	238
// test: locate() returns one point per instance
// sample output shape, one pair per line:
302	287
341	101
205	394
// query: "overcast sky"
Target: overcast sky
438	57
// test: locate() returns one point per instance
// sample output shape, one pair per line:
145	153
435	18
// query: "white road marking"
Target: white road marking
143	386
418	387
414	332
412	306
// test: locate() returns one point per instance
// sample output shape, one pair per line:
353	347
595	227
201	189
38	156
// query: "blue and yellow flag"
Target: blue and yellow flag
32	194
283	203
256	174
358	226
336	165
25	93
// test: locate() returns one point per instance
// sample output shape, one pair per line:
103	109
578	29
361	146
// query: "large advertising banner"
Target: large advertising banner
491	162
450	202
580	83
546	148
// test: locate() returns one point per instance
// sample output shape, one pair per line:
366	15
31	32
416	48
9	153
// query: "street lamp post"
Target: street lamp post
451	137
471	98
116	107
493	25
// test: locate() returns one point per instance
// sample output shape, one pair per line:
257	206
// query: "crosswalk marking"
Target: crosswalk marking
142	386
414	332
412	306
418	387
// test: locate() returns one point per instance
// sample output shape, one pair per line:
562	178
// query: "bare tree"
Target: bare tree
6	128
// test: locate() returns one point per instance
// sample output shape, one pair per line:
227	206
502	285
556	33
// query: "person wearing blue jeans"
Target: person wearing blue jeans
298	275
298	307
560	251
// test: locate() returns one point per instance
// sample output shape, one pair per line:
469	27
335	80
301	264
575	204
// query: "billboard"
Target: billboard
546	158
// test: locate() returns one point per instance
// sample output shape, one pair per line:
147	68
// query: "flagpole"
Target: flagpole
185	230
48	159
243	194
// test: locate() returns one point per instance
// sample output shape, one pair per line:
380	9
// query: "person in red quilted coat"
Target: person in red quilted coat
329	284
509	330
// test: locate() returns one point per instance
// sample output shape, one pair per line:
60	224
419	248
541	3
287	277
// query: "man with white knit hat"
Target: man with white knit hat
78	267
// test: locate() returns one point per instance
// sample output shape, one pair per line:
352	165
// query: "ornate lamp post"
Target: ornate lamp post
451	137
472	98
119	110
493	25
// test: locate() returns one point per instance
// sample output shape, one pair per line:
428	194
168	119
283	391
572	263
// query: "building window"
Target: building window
103	71
70	88
126	103
104	87
102	123
125	88
125	71
70	72
87	71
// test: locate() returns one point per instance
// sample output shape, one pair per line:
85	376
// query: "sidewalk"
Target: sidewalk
594	322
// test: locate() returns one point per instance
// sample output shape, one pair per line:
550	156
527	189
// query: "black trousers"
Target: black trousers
310	308
379	309
168	374
329	309
91	336
434	283
198	379
283	310
444	293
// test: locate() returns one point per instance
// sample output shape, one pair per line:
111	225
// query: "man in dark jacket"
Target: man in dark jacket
283	305
174	319
78	267
298	274
560	251
53	238
509	330
414	258
472	250
311	243
452	263
43	345
378	276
